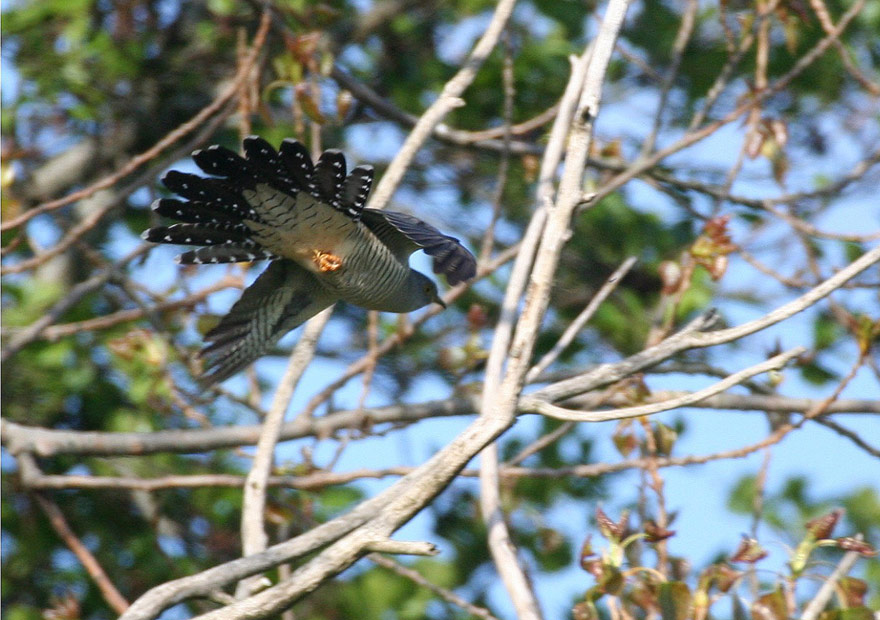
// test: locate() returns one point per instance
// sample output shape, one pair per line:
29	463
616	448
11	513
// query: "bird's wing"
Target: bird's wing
284	296
404	234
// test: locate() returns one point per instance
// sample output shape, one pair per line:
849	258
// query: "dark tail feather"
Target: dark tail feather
329	174
199	234
298	162
212	193
192	212
269	165
216	254
221	162
289	170
355	190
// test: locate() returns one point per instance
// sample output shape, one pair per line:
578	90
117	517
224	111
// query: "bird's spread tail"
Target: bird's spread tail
212	211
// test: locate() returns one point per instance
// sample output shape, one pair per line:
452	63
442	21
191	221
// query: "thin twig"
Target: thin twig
56	518
33	331
499	403
539	444
561	413
682	37
18	438
448	100
504	164
828	26
586	314
56	332
693	338
416	577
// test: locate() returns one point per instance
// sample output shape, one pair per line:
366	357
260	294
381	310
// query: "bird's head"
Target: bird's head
429	292
422	291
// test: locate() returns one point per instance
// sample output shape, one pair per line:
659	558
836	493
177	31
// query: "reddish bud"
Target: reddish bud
722	576
594	567
476	317
771	606
625	442
822	527
749	551
531	166
309	103
587	552
63	608
606	525
716	228
608	528
718	266
344	102
854	590
303	46
655	533
849	543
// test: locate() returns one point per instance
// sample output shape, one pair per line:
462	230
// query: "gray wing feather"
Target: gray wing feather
284	296
404	234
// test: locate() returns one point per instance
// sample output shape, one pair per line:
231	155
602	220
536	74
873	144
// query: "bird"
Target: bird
310	222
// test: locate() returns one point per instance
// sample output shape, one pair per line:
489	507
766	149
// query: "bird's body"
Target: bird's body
310	221
327	241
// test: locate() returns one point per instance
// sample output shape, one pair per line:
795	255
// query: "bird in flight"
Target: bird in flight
309	221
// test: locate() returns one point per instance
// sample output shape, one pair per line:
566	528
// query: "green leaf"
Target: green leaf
675	600
853	613
771	606
826	331
856	613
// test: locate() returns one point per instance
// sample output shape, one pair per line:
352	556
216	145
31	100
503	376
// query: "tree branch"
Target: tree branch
448	100
560	413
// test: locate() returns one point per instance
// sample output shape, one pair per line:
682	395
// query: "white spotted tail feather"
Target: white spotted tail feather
279	206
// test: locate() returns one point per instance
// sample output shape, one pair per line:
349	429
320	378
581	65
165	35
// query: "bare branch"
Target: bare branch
682	37
446	595
116	601
560	413
253	533
608	373
19	438
448	100
33	331
403	547
586	314
499	400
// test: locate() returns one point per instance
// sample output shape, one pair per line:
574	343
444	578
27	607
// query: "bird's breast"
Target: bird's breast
346	257
369	275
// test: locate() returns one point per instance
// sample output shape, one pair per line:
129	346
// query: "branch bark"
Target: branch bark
253	532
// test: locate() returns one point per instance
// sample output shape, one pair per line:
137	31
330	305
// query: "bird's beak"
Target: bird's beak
440	301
